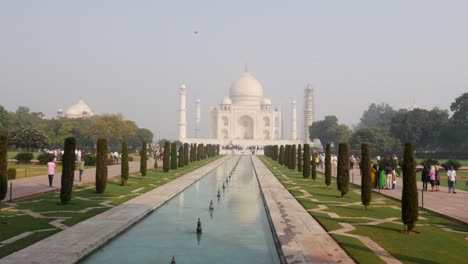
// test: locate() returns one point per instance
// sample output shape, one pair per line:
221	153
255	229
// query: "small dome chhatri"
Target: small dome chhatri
246	90
227	101
266	101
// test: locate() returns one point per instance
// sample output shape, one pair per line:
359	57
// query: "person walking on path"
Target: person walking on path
452	175
424	178
50	171
81	167
432	177
437	178
389	176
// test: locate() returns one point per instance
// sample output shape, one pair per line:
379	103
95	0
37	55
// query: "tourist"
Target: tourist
452	175
424	177
437	176
389	176
50	171
81	166
352	160
382	178
432	177
374	175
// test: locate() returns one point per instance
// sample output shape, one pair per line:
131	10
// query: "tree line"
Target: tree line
32	131
385	129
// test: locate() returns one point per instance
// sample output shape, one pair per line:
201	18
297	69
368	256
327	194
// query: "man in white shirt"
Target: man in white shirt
452	175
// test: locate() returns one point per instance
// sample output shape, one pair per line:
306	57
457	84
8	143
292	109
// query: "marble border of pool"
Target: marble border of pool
77	242
301	238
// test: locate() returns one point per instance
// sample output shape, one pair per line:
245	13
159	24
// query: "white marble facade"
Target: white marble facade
245	113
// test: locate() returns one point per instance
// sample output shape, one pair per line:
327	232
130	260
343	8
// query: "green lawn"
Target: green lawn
84	196
430	244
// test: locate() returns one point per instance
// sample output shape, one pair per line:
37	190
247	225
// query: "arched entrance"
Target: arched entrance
245	127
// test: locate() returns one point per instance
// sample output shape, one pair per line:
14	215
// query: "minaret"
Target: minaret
197	118
182	115
308	111
293	121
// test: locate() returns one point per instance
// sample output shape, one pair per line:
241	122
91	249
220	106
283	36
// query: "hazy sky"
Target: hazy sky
130	57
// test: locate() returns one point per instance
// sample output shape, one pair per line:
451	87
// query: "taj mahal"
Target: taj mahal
246	117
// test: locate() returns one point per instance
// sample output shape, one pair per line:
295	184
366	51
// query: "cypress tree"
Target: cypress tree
328	166
124	169
143	159
342	177
181	156
174	156
167	156
186	154
68	170
299	158
194	158
409	197
101	165
281	155
287	155
275	153
366	181
314	169
3	167
293	159
306	163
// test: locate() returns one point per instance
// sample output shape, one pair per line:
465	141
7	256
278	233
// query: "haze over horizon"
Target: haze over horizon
131	57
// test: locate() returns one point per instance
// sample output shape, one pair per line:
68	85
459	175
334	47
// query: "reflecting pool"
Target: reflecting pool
236	231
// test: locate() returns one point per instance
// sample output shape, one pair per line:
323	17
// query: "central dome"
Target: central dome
246	90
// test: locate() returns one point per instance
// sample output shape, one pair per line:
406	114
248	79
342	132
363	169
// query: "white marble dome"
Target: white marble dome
266	101
246	90
79	110
226	101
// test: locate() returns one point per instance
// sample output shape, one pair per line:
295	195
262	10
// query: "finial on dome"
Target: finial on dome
183	86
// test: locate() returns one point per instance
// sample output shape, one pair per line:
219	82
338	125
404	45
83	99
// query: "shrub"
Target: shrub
130	158
314	169
429	162
4	173
143	159
306	163
292	158
44	157
409	197
281	155
124	169
90	159
342	176
167	156
299	158
366	181
181	156
101	165
11	173
24	157
455	163
68	169
328	167
186	154
174	156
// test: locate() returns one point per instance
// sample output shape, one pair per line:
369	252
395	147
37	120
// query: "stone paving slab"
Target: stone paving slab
76	242
302	239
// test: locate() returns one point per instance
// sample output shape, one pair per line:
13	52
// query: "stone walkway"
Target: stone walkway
301	237
441	202
76	242
31	186
349	227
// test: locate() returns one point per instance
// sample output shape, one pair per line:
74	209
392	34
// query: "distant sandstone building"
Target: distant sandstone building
78	110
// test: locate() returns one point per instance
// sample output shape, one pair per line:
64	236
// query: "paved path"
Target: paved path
441	202
301	237
76	242
31	186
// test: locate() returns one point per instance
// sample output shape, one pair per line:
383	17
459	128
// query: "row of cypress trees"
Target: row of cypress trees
286	155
